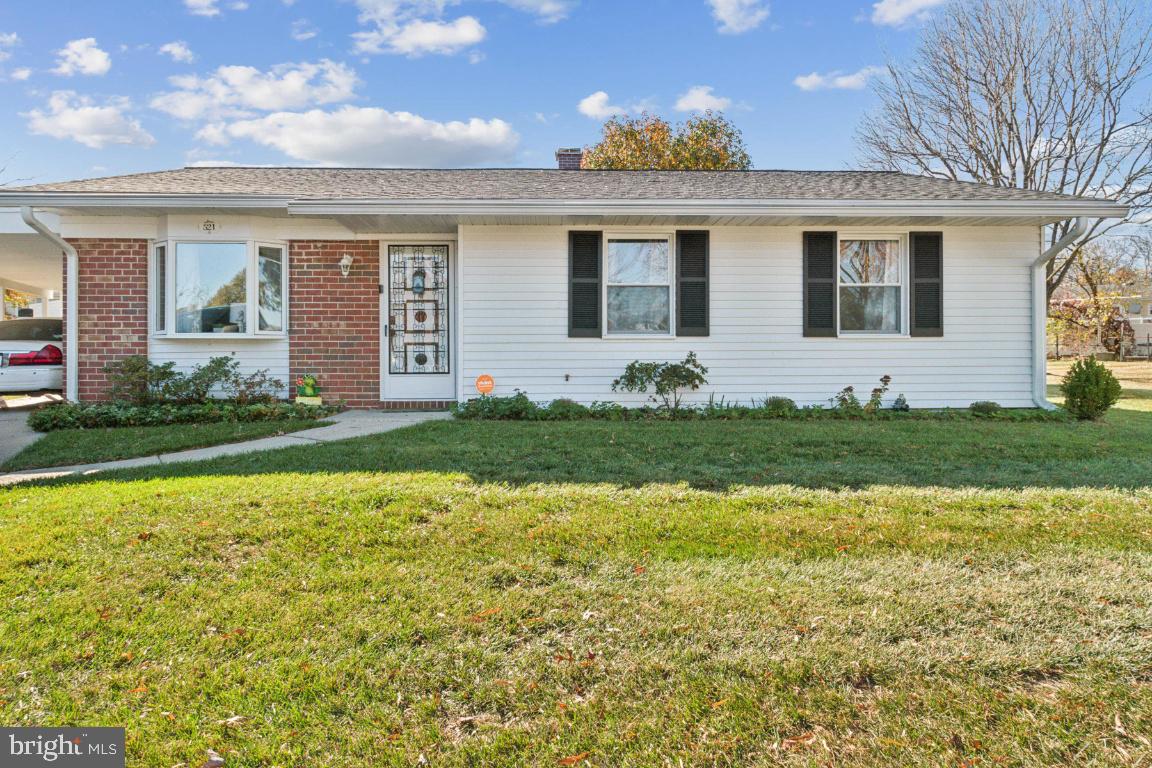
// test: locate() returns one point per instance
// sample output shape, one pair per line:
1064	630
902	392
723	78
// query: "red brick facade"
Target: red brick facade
334	321
113	308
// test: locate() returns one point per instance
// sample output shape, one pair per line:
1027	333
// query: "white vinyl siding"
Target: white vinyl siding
514	301
252	354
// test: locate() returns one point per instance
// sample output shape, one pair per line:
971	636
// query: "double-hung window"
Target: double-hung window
209	288
638	287
870	284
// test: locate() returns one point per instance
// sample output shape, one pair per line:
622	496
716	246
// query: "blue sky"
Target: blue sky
119	87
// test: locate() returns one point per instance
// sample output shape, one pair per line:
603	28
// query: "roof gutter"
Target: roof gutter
1040	311
729	207
71	305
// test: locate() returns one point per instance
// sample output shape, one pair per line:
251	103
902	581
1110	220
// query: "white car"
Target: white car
31	354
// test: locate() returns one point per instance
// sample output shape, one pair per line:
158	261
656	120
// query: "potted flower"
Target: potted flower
307	389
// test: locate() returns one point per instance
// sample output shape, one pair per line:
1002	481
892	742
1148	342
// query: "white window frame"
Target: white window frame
903	285
670	237
252	296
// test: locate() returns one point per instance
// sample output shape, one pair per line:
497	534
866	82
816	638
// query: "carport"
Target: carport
29	263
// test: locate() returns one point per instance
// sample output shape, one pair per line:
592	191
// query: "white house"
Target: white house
399	288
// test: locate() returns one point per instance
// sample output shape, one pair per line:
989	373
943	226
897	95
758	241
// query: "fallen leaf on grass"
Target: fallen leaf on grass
574	759
232	722
803	740
139	689
476	618
718	704
214	760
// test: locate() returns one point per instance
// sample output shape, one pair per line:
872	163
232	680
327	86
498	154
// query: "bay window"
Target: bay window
870	282
639	286
209	288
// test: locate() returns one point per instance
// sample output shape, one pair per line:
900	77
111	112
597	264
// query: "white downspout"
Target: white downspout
1040	312
71	303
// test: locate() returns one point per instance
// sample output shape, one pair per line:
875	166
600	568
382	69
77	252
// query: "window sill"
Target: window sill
220	336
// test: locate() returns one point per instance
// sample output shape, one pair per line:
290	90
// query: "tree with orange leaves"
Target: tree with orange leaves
706	142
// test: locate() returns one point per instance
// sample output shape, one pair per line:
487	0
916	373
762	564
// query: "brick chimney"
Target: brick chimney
568	158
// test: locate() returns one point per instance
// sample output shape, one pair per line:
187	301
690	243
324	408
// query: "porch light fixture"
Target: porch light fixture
346	264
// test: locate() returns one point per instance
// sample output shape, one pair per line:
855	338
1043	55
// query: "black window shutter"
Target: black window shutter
820	284
691	283
927	283
584	274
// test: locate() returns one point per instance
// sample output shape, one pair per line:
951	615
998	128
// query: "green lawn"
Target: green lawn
85	446
648	594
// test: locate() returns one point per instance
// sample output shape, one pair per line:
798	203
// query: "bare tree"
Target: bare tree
1036	94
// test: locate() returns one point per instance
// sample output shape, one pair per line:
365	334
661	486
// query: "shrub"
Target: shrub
846	403
667	380
565	410
608	411
99	415
138	381
197	386
985	408
1089	389
516	407
779	406
135	379
256	387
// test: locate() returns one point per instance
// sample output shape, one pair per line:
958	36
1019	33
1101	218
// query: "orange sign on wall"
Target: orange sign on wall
485	384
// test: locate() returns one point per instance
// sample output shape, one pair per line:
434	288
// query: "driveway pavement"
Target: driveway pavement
14	433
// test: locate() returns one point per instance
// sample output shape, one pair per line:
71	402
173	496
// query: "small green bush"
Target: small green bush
1089	389
779	407
565	410
668	381
100	415
137	380
985	408
515	408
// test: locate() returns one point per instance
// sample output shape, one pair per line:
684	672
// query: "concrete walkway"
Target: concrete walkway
15	434
347	425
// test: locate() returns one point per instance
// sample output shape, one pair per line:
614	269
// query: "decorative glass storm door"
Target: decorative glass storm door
419	353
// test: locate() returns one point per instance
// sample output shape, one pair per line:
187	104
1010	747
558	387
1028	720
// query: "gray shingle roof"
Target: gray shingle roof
529	184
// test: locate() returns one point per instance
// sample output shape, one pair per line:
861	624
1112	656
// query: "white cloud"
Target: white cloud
548	11
82	57
179	51
21	74
894	13
212	7
370	136
419	37
598	106
202	7
738	16
419	27
8	41
699	98
851	81
79	118
303	30
234	91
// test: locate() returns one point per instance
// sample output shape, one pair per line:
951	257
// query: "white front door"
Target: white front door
417	322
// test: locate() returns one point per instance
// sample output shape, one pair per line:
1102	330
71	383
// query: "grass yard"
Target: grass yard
85	446
598	594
